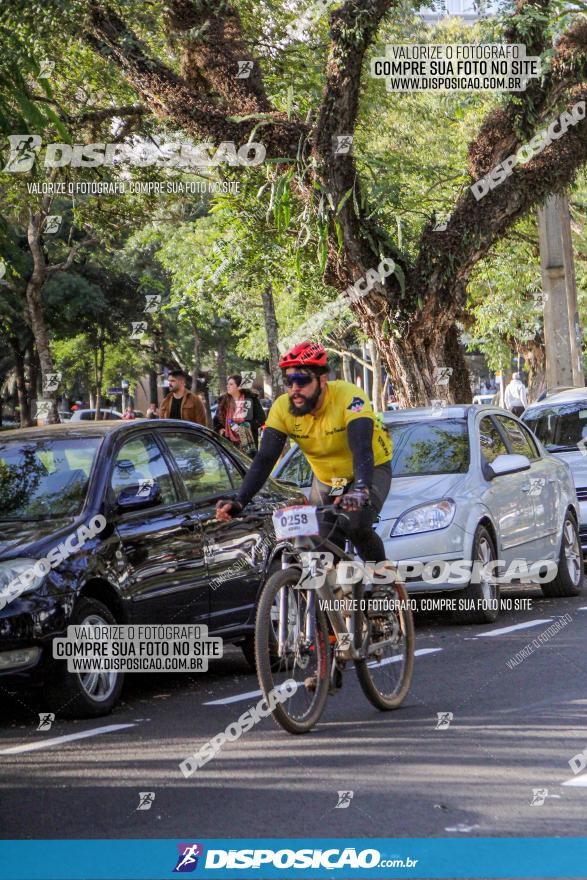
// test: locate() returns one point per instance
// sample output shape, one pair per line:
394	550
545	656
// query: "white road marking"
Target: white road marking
508	629
577	781
47	743
397	657
250	694
227	700
462	827
582	608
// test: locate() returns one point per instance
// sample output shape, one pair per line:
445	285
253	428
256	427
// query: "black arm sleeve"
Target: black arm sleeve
263	462
360	440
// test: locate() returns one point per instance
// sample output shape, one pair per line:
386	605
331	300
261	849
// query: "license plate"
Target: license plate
292	522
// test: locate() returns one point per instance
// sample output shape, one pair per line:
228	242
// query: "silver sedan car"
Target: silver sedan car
560	423
472	483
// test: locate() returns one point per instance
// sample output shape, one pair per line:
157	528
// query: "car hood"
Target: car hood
577	463
24	538
407	492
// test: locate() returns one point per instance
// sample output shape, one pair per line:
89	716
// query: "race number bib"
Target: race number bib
291	522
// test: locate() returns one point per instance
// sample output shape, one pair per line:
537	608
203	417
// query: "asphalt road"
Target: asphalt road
513	730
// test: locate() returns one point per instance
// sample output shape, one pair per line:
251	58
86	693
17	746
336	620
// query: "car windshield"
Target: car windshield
436	447
560	427
44	478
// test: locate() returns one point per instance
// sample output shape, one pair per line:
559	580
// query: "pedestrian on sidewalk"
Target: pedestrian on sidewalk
239	416
181	403
516	396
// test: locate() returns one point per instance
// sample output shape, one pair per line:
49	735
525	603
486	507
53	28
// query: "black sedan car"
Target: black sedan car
114	522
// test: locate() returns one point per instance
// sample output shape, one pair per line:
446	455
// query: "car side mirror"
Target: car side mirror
139	495
508	464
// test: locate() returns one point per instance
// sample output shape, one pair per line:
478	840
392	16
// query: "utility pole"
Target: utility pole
562	333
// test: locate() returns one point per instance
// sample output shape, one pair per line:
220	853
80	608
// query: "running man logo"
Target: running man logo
338	484
145	487
23	151
539	795
146	800
314	568
344	800
46	69
46	719
152	302
51	224
139	328
342	144
244	69
344	641
442	375
51	382
444	719
43	408
187	861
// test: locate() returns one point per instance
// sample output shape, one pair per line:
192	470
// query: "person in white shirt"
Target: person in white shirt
516	396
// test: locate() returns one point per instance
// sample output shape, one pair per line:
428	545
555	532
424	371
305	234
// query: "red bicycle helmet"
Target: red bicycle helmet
304	354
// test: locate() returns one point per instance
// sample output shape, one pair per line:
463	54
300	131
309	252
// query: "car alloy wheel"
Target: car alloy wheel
99	686
572	551
484	556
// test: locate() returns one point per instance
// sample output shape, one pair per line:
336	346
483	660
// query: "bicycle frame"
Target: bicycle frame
340	624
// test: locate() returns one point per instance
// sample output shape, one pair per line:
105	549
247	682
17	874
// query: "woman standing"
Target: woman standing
239	416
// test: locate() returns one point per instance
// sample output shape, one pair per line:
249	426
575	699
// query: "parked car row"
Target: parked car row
155	560
474	483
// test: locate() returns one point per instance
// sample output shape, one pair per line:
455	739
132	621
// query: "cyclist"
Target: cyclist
334	425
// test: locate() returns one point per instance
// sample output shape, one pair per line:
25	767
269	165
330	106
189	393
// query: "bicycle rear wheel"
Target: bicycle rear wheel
303	655
385	676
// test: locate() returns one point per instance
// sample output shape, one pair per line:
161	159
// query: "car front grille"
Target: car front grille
582	493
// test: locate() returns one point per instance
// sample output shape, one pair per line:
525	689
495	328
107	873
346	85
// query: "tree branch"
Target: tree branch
446	258
171	96
4	282
109	112
65	264
214	50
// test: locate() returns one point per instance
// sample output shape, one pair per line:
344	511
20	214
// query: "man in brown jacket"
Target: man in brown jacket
181	403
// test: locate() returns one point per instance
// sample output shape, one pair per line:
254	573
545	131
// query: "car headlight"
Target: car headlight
426	518
18	576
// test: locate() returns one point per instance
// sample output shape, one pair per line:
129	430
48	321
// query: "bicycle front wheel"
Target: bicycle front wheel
292	652
385	676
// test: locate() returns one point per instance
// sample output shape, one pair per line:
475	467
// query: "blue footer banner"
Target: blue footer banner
537	857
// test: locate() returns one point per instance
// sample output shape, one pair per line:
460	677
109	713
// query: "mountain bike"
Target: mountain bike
308	626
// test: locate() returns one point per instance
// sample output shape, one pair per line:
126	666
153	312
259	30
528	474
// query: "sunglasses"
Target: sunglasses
299	379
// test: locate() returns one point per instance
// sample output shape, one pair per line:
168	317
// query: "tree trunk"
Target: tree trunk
347	373
34	372
272	334
23	403
376	378
197	357
153	392
221	366
535	358
412	359
99	356
36	315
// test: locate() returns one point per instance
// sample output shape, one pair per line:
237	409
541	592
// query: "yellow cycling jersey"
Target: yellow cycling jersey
322	436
